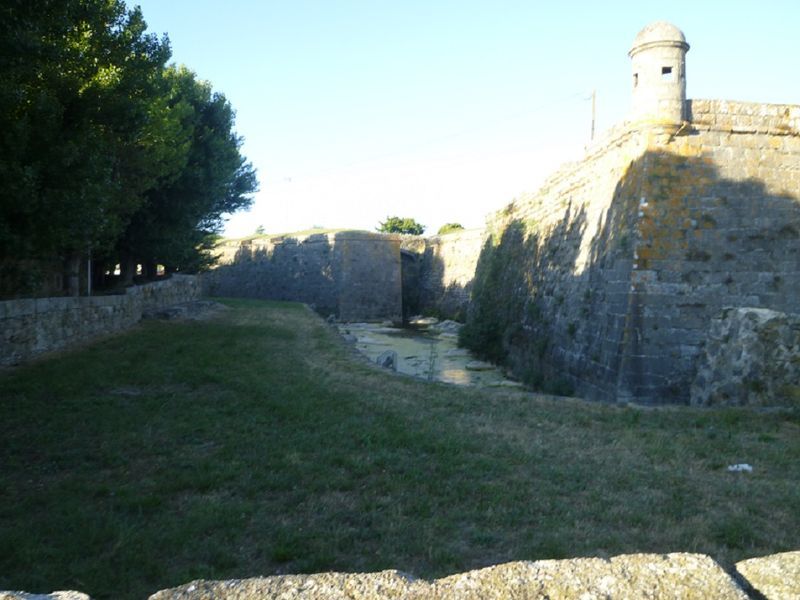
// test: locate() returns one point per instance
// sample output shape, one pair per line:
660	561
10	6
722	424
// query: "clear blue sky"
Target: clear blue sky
445	110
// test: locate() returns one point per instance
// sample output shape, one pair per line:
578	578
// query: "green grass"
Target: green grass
255	444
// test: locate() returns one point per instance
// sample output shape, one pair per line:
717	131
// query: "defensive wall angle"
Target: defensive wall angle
677	224
354	275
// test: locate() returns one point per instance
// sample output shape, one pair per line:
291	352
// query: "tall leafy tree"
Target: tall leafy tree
104	149
80	126
181	215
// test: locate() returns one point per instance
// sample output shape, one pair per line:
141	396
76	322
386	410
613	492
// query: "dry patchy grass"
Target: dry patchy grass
254	444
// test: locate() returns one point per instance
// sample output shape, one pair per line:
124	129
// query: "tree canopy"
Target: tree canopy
178	216
104	149
401	225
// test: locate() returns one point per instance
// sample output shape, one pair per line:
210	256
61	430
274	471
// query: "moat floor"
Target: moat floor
425	353
252	443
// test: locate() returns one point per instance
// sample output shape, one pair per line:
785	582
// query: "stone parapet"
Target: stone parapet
745	117
775	577
665	577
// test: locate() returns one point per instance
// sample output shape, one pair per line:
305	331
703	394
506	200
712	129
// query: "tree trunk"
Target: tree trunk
127	266
150	270
99	268
72	271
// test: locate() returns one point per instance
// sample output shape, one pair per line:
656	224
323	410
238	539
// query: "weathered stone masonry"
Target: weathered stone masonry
719	226
354	275
34	326
447	268
674	576
647	239
629	254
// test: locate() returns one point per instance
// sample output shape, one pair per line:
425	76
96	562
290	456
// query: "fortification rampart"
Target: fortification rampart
550	296
34	326
609	276
351	274
718	226
607	279
745	117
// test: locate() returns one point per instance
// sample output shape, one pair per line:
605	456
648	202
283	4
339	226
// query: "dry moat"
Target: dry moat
427	349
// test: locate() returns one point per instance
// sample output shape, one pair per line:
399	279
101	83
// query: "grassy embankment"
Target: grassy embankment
251	444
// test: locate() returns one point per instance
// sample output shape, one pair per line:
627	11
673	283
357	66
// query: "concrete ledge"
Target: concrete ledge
31	327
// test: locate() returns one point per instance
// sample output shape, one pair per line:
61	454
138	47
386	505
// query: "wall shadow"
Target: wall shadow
284	268
518	295
410	266
447	267
618	307
352	275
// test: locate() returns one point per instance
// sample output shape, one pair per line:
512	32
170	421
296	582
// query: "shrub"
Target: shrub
401	225
449	228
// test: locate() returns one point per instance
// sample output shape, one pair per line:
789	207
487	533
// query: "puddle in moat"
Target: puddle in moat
426	352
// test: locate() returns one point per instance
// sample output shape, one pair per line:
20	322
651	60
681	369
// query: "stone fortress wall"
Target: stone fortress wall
626	256
610	275
719	226
630	254
560	261
447	268
354	275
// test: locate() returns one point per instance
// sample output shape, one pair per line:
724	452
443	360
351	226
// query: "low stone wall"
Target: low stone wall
676	576
31	327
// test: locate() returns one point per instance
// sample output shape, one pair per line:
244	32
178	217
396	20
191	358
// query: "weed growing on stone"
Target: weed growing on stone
255	444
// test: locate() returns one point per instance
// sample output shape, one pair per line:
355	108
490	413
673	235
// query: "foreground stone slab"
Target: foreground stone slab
750	359
68	595
777	577
333	586
640	576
